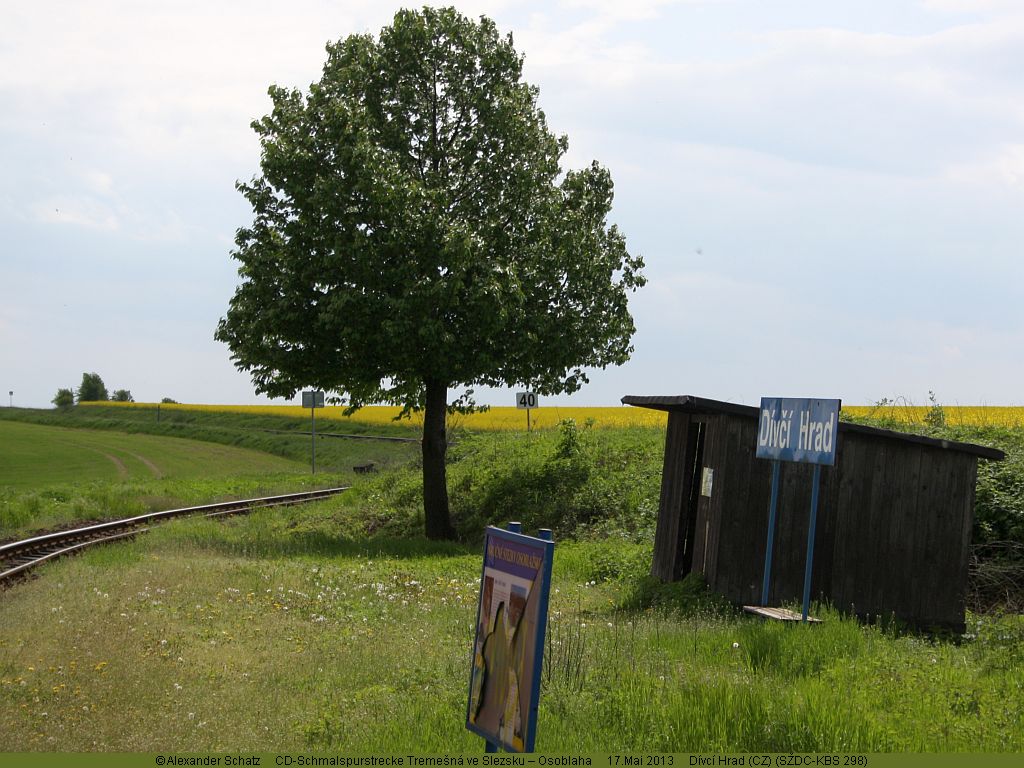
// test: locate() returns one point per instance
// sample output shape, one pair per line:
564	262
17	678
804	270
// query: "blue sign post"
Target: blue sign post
799	430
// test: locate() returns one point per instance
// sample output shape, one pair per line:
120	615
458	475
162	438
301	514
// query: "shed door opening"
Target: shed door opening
688	522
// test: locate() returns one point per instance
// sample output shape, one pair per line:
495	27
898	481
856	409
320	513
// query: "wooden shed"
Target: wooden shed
893	527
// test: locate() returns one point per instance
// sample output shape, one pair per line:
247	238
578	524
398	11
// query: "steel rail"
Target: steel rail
17	557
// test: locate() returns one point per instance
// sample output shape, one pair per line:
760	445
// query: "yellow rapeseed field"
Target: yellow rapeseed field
496	418
955	415
508	418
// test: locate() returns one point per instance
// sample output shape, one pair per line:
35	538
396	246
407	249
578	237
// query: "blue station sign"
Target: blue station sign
798	429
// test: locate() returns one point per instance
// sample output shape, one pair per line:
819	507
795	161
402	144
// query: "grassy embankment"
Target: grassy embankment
62	467
32	455
333	627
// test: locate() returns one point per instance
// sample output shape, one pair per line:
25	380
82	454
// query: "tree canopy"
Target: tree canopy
91	388
64	398
414	233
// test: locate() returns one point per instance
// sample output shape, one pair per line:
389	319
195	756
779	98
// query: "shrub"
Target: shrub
64	399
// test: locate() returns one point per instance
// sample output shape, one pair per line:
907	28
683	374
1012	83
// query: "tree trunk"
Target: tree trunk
435	445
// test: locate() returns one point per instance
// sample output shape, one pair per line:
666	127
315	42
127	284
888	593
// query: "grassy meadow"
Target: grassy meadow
336	626
32	455
63	467
277	632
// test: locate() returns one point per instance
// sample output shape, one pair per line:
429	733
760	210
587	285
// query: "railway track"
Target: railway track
19	557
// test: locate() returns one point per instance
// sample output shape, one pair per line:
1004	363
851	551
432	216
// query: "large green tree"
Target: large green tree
91	388
414	236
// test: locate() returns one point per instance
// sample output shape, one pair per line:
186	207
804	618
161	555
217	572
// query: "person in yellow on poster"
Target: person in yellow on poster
496	682
508	647
494	675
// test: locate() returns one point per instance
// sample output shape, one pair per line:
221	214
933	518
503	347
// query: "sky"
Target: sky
829	197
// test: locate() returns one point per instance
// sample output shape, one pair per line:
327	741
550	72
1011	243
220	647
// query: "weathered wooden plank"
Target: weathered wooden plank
702	549
793	520
908	557
753	526
734	490
941	604
714	459
888	590
779	614
845	561
930	491
933	556
943	608
821	583
900	556
871	588
958	617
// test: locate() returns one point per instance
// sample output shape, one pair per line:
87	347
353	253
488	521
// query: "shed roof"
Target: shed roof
703	405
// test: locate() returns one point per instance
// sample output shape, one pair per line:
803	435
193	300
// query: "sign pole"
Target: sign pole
800	430
772	511
810	539
312	400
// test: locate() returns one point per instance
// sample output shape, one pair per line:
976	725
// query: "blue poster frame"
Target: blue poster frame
542	581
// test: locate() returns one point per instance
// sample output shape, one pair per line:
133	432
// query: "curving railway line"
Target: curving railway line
19	557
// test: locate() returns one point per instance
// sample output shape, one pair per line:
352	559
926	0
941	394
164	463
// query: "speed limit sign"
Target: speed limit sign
526	400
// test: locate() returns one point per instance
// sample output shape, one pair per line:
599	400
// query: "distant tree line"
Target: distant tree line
92	389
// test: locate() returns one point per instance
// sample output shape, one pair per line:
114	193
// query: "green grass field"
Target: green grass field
33	455
63	467
277	631
337	627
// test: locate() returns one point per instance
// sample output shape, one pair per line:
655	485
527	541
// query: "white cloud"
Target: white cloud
111	215
1003	168
81	211
99	182
972	6
185	77
881	163
8	318
612	11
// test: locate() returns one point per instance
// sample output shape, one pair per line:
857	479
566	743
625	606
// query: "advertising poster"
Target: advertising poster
504	687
